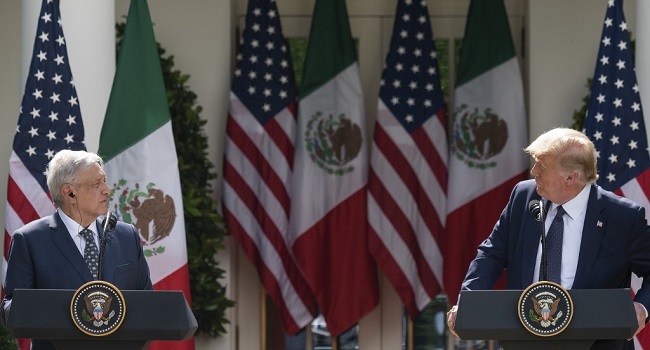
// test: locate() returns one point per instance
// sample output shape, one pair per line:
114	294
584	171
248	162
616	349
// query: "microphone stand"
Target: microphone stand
109	225
542	222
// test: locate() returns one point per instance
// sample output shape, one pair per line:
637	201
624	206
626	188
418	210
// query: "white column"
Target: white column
89	29
642	59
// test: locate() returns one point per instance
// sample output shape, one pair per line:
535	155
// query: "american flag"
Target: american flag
258	161
408	166
614	121
49	121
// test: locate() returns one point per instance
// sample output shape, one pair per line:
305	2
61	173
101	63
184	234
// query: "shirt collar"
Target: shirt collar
576	206
73	227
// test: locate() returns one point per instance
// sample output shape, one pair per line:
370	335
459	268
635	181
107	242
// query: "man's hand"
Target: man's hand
451	319
641	315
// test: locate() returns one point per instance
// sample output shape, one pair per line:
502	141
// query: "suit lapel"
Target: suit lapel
66	246
592	235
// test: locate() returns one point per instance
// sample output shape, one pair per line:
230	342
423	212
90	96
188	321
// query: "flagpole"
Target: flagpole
642	53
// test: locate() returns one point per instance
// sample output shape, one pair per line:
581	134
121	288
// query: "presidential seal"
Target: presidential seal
97	308
545	308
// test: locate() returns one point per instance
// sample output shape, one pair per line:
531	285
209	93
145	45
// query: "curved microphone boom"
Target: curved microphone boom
108	225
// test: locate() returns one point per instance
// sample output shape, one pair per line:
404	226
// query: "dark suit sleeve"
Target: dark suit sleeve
20	272
640	256
492	256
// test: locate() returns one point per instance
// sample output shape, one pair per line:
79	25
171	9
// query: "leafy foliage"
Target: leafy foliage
204	227
6	340
579	114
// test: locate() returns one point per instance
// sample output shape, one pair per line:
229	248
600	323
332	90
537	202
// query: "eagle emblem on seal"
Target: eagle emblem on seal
98	306
545	309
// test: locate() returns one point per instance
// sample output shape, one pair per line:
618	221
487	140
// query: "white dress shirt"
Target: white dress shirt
574	221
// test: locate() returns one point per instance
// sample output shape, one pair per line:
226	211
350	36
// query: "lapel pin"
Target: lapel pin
599	223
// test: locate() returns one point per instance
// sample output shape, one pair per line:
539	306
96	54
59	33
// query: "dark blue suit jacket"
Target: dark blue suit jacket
615	243
43	255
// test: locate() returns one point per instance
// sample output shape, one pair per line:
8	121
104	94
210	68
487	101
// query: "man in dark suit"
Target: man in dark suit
605	237
48	253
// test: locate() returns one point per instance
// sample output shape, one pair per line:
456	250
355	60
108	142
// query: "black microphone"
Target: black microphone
109	222
537	211
108	225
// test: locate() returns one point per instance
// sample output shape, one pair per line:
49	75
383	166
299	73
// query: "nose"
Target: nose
533	170
106	189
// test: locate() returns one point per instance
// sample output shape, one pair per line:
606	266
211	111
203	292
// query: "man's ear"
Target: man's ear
572	177
67	191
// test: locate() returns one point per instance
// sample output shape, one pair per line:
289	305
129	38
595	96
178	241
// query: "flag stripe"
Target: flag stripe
411	230
411	155
396	261
401	183
263	216
278	129
19	202
269	165
410	224
638	189
39	201
431	139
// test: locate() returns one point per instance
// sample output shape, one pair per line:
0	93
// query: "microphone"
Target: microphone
108	225
109	222
537	211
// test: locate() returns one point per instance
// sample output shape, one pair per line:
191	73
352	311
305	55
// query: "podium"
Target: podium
150	315
598	314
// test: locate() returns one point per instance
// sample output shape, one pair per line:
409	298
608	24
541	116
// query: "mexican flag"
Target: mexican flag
489	133
328	223
137	145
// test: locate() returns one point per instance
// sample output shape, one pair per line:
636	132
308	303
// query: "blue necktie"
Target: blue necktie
91	253
554	248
